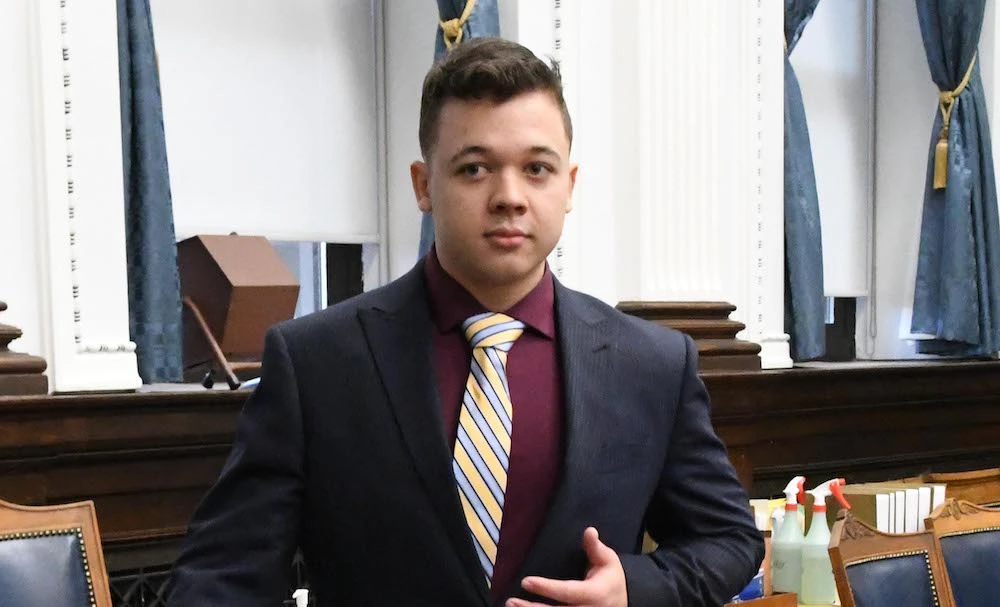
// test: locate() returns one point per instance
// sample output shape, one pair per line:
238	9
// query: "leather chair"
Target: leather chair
50	556
875	569
969	536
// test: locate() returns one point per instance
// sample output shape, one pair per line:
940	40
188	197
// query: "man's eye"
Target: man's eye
538	168
471	170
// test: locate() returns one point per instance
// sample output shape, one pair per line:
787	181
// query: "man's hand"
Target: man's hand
604	585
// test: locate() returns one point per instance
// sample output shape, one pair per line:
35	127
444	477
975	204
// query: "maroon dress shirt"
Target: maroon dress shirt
533	373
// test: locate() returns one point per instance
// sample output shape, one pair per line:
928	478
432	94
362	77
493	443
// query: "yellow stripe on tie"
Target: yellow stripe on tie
484	450
479	325
478	530
497	339
479	484
489	414
490	372
476	460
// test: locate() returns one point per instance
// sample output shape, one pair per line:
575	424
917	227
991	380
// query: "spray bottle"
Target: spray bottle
818	585
786	545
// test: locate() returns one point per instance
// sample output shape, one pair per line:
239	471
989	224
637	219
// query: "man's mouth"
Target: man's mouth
507	238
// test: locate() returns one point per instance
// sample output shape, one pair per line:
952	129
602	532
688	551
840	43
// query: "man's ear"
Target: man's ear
572	183
421	189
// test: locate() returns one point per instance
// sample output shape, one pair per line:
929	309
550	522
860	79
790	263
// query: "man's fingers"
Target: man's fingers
598	586
572	592
598	554
522	603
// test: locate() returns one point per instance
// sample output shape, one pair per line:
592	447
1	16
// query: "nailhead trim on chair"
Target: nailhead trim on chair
927	561
78	532
971	531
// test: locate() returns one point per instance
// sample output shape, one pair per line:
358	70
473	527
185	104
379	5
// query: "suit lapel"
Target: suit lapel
398	334
587	386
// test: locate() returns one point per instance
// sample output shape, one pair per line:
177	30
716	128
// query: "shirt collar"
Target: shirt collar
451	304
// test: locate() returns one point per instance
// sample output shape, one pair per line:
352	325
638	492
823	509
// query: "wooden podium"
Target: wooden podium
709	325
20	374
233	288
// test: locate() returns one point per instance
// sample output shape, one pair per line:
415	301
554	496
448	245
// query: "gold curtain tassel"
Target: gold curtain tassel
941	161
452	32
453	28
948	101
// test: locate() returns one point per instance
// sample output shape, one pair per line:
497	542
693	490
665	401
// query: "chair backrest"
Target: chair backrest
969	536
875	569
50	556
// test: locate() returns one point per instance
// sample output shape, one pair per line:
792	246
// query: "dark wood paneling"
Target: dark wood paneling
146	459
859	422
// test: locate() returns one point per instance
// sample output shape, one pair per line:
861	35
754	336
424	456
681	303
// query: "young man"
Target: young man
475	433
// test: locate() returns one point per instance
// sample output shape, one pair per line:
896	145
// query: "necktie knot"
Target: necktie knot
492	330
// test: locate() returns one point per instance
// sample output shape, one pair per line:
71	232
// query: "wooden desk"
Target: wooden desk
145	460
864	423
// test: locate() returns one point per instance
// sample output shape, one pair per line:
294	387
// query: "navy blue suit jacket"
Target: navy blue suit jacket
341	450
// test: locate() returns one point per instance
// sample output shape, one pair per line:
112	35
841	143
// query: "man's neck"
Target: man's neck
502	298
498	297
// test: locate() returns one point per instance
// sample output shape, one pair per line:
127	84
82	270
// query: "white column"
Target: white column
678	109
81	232
764	73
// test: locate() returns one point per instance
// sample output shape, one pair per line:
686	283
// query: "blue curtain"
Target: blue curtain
804	303
154	299
483	22
958	270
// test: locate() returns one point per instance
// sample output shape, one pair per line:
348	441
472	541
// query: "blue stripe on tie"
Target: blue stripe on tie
491	395
493	330
483	559
480	465
505	346
486	431
500	369
473	320
477	504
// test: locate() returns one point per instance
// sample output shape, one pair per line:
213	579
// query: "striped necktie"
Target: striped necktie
482	449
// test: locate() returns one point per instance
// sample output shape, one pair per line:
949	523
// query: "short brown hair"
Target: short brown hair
486	68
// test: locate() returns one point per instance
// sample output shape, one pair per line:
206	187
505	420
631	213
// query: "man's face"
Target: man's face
498	183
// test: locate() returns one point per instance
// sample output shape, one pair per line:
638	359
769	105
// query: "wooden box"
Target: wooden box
241	286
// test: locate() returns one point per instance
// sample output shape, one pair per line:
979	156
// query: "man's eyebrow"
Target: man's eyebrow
545	150
467	151
478	149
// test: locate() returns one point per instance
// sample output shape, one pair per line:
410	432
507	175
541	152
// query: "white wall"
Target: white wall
271	105
831	61
410	26
20	269
906	100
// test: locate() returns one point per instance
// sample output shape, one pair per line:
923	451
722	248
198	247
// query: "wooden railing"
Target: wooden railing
147	458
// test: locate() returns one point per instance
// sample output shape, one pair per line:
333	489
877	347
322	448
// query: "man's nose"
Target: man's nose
510	193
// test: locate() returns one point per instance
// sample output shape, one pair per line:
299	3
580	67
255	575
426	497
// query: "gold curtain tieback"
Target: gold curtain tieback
452	28
947	100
